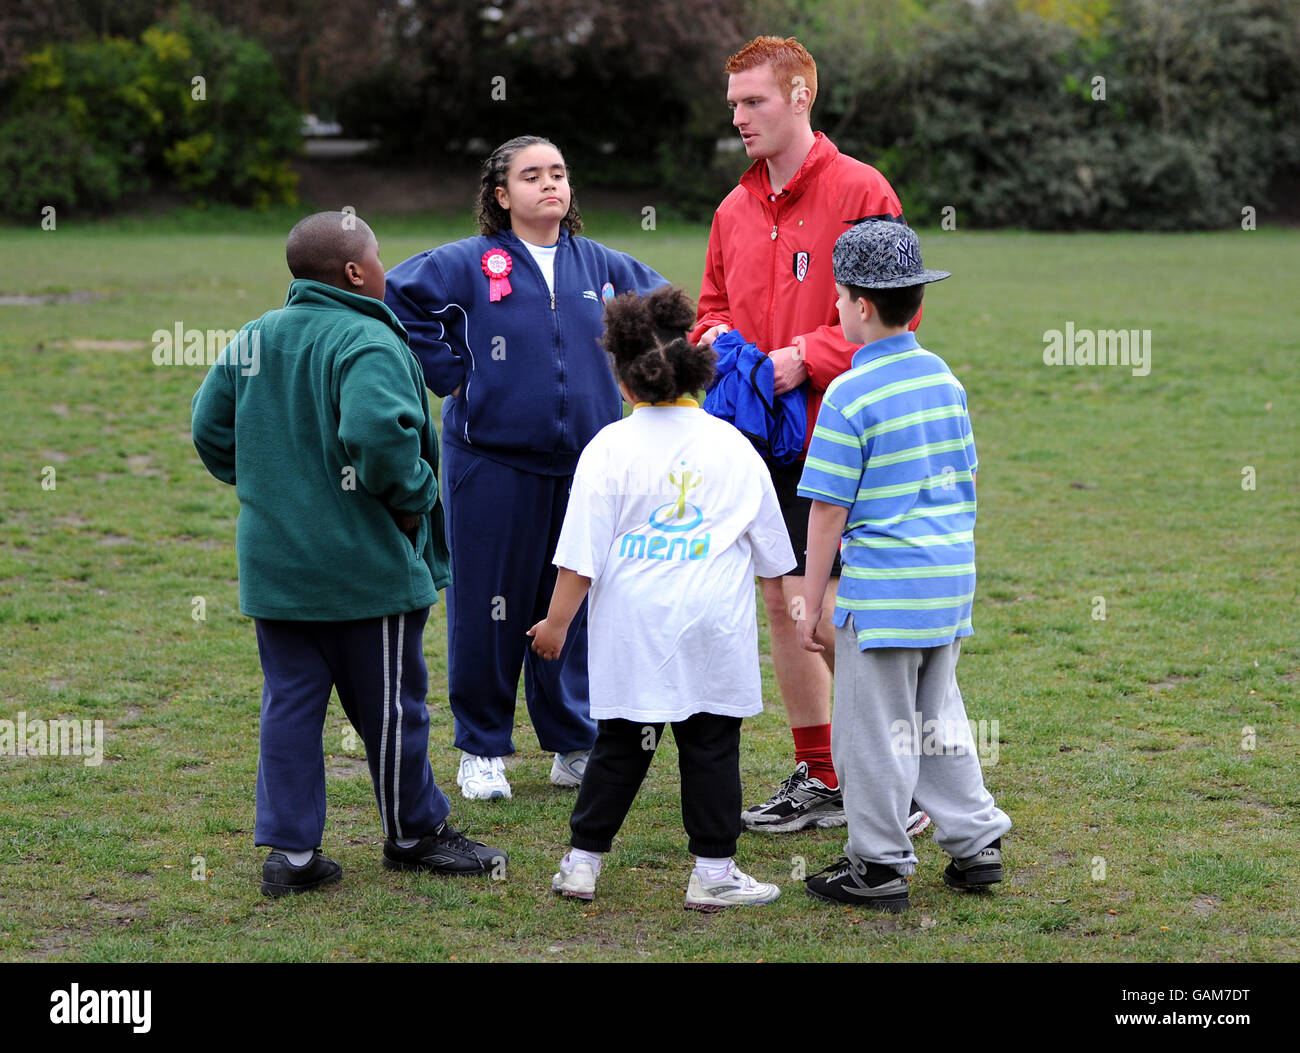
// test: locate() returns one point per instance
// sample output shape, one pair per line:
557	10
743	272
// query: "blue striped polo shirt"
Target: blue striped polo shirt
893	445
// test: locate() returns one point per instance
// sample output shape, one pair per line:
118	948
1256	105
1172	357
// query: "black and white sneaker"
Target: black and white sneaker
446	851
869	885
800	802
918	820
983	868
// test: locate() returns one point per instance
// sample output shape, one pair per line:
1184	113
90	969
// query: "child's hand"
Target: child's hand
548	639
549	634
808	631
709	335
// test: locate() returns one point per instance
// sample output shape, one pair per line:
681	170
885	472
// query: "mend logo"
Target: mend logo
666	537
76	1006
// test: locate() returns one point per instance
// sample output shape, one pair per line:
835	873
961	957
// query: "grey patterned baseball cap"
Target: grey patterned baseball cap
877	254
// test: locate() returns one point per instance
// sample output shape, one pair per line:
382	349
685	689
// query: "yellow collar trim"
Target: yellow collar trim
683	401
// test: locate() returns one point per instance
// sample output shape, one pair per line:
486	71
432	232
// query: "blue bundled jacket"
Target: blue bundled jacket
742	394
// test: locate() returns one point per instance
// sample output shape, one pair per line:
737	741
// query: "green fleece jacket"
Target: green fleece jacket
318	416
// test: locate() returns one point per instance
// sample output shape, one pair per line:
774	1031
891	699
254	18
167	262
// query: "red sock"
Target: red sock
812	744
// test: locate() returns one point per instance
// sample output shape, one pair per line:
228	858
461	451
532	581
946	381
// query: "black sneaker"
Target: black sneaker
446	851
869	885
983	868
282	878
800	802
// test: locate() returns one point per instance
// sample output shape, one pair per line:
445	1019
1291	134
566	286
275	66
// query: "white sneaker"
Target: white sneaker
569	768
735	890
577	880
482	778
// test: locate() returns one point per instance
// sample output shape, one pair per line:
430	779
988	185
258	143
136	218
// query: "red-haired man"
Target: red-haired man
768	274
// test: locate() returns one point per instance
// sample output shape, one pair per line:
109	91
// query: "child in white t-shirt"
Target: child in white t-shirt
671	515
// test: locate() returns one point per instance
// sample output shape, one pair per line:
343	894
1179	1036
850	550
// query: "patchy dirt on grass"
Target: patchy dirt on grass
344	767
103	345
140	464
1171	681
34	299
191	540
51	945
118	913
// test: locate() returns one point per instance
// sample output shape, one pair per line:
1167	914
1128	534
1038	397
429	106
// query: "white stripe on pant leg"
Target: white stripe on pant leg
383	741
397	733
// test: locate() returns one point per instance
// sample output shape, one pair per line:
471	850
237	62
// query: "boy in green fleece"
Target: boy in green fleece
317	415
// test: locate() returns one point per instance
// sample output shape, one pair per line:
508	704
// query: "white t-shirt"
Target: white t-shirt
671	515
545	257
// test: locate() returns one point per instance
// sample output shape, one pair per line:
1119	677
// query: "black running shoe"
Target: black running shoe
799	803
282	878
983	868
446	851
869	885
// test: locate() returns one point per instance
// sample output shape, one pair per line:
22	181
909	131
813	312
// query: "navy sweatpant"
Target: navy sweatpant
502	528
377	664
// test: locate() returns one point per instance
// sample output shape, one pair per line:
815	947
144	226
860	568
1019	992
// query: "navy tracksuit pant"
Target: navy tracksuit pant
502	528
377	664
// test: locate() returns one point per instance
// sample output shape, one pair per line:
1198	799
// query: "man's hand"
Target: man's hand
709	335
406	524
788	366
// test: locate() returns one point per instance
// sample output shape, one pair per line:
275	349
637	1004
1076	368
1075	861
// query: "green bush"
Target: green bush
45	160
190	106
994	110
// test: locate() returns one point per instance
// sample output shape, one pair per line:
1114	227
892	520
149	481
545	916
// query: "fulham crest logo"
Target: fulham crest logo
801	265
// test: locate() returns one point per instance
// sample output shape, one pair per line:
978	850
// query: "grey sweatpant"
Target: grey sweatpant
899	732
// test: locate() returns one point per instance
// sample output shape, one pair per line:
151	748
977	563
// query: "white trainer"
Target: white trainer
569	768
737	889
482	778
577	880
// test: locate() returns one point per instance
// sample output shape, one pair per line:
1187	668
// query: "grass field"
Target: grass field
1147	759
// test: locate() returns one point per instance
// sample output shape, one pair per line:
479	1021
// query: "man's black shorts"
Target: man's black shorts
794	509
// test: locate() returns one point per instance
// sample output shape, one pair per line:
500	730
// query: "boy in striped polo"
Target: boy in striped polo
891	470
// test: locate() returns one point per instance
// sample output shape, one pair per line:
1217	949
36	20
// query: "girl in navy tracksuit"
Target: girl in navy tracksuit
507	327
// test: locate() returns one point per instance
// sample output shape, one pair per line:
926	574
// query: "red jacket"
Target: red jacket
762	243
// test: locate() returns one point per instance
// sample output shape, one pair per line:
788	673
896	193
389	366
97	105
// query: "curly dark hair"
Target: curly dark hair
492	218
646	335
